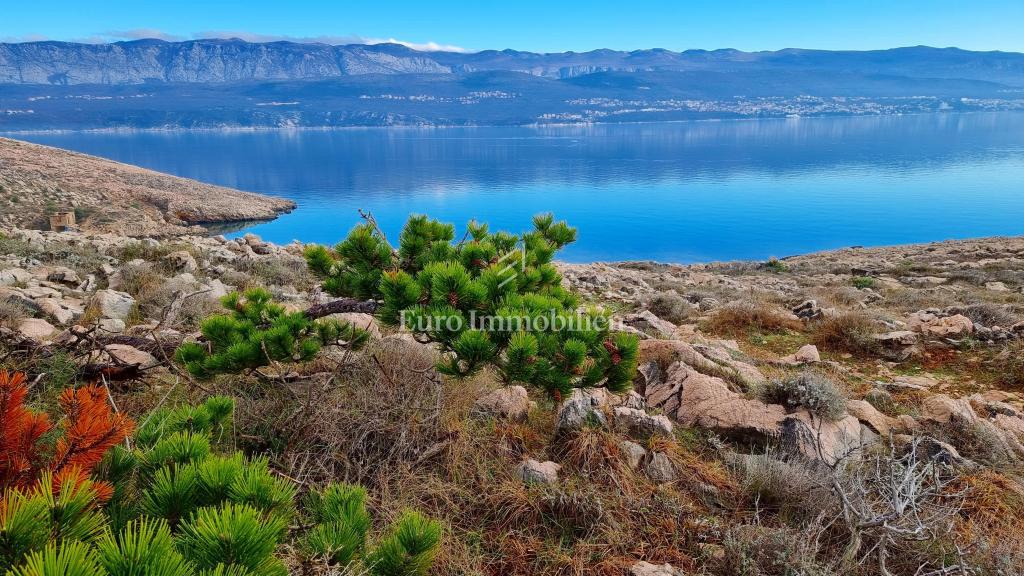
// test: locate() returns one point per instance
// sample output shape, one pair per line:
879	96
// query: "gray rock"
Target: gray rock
632	453
112	304
642	424
510	402
534	472
659	468
584	407
643	568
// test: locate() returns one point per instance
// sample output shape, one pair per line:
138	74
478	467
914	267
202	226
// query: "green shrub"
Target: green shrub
491	299
861	282
257	333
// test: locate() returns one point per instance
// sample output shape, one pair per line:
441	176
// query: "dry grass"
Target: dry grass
1011	364
12	313
743	316
846	332
815	392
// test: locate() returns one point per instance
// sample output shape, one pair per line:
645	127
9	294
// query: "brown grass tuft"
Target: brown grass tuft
848	332
743	316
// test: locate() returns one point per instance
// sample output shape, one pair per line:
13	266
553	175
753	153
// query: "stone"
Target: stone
643	568
996	287
808	310
829	441
12	276
956	326
36	329
533	472
181	261
56	309
111	325
584	407
696	399
125	354
360	320
807	354
942	408
510	402
63	275
640	423
869	415
632	453
650	324
898	346
659	468
112	304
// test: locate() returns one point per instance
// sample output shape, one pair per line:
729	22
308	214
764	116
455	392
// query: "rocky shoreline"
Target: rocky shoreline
107	196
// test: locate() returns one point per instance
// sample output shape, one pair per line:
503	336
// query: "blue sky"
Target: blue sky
537	25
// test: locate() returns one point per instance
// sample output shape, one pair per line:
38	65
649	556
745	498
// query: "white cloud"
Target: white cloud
141	34
25	38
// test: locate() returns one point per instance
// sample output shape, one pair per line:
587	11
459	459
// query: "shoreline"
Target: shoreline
535	126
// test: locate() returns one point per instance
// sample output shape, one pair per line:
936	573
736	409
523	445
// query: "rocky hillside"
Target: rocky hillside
779	406
36	181
234	60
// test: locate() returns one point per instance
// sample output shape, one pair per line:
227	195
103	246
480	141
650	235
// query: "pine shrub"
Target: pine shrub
257	332
490	299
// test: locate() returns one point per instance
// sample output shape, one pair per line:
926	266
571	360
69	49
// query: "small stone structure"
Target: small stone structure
62	221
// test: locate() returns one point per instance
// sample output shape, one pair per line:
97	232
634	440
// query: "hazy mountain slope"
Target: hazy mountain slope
145	61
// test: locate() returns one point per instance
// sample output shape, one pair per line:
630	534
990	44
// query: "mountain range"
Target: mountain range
210	83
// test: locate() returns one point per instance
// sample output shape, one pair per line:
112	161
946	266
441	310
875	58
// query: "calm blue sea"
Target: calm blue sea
678	192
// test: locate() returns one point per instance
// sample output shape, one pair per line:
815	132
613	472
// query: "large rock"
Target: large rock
897	346
13	276
640	423
36	329
870	416
648	323
660	469
510	402
706	359
643	568
957	326
807	354
64	275
113	304
128	355
181	261
696	399
584	407
830	441
534	472
57	310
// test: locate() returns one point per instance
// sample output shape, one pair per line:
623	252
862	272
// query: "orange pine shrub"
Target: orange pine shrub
89	429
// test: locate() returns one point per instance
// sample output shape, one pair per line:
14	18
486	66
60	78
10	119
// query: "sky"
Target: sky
535	25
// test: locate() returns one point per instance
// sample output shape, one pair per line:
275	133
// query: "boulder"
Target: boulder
510	402
632	453
181	261
956	326
12	276
897	346
807	354
647	569
584	407
942	409
996	287
870	416
640	423
533	472
659	468
650	324
36	329
112	304
124	354
829	441
56	309
63	275
696	399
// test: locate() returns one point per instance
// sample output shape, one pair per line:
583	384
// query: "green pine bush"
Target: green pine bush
257	332
489	299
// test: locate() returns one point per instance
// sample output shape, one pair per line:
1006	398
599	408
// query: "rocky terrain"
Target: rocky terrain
107	196
820	356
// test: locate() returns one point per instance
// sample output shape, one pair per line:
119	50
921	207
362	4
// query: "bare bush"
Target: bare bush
670	306
12	313
775	482
849	332
744	315
988	314
1011	364
818	394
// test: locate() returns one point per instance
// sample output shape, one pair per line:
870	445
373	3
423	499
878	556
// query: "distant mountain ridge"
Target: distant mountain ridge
234	60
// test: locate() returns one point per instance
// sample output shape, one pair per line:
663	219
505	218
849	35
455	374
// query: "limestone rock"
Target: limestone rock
642	424
534	472
632	453
124	354
647	569
897	346
113	304
659	468
650	324
36	329
869	415
956	326
510	402
181	261
807	354
13	276
584	407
